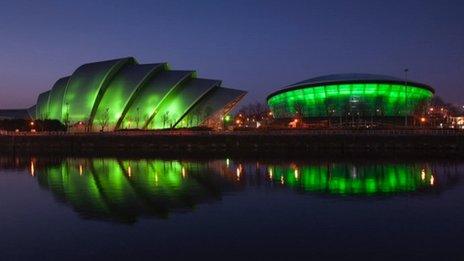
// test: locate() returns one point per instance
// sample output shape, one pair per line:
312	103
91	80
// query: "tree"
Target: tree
254	112
137	118
299	109
299	113
66	116
379	106
165	119
105	119
196	115
330	105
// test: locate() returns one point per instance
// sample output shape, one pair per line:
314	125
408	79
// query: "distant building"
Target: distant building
16	114
457	122
360	96
123	94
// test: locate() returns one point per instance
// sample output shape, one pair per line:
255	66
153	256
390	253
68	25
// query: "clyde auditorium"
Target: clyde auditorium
123	94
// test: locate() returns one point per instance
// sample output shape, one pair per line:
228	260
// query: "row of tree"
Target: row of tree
28	125
167	119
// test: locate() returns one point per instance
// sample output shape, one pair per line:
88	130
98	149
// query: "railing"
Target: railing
347	132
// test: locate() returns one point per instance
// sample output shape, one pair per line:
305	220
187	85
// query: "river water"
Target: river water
229	209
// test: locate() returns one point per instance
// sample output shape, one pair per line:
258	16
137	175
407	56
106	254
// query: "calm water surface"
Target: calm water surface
81	208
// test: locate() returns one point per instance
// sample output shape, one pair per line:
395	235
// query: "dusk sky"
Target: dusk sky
258	46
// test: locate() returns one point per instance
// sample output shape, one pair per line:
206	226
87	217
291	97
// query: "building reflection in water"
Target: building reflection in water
123	190
348	179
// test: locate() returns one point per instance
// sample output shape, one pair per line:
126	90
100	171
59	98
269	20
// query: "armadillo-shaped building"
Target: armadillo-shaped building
123	94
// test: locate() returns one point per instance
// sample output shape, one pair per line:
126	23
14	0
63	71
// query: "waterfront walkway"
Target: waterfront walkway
276	142
311	132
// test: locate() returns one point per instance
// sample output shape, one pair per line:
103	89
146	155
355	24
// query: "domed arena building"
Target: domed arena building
123	94
346	97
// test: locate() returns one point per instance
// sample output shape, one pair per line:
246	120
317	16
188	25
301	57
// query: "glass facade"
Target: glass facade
363	99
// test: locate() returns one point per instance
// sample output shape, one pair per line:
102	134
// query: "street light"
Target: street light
406	96
32	123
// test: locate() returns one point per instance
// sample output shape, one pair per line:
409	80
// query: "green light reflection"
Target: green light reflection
123	190
346	179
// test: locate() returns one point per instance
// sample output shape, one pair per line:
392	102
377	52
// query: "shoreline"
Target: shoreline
315	143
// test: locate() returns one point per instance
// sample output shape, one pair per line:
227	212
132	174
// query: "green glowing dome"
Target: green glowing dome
347	94
123	94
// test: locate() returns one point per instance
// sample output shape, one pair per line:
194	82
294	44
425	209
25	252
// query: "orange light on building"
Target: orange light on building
31	123
423	119
238	171
32	168
293	123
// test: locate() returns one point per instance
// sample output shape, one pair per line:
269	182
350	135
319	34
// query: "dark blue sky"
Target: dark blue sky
258	46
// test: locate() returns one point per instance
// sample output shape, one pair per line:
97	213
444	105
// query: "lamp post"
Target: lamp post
406	97
66	117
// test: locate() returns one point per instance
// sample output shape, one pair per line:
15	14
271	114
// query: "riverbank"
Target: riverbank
437	143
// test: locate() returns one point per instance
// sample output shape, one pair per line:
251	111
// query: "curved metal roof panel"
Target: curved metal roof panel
145	102
122	94
85	87
56	98
348	77
215	102
42	105
118	93
177	104
31	111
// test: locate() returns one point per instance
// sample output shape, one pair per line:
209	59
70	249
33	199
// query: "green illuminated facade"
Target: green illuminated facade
123	94
350	94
